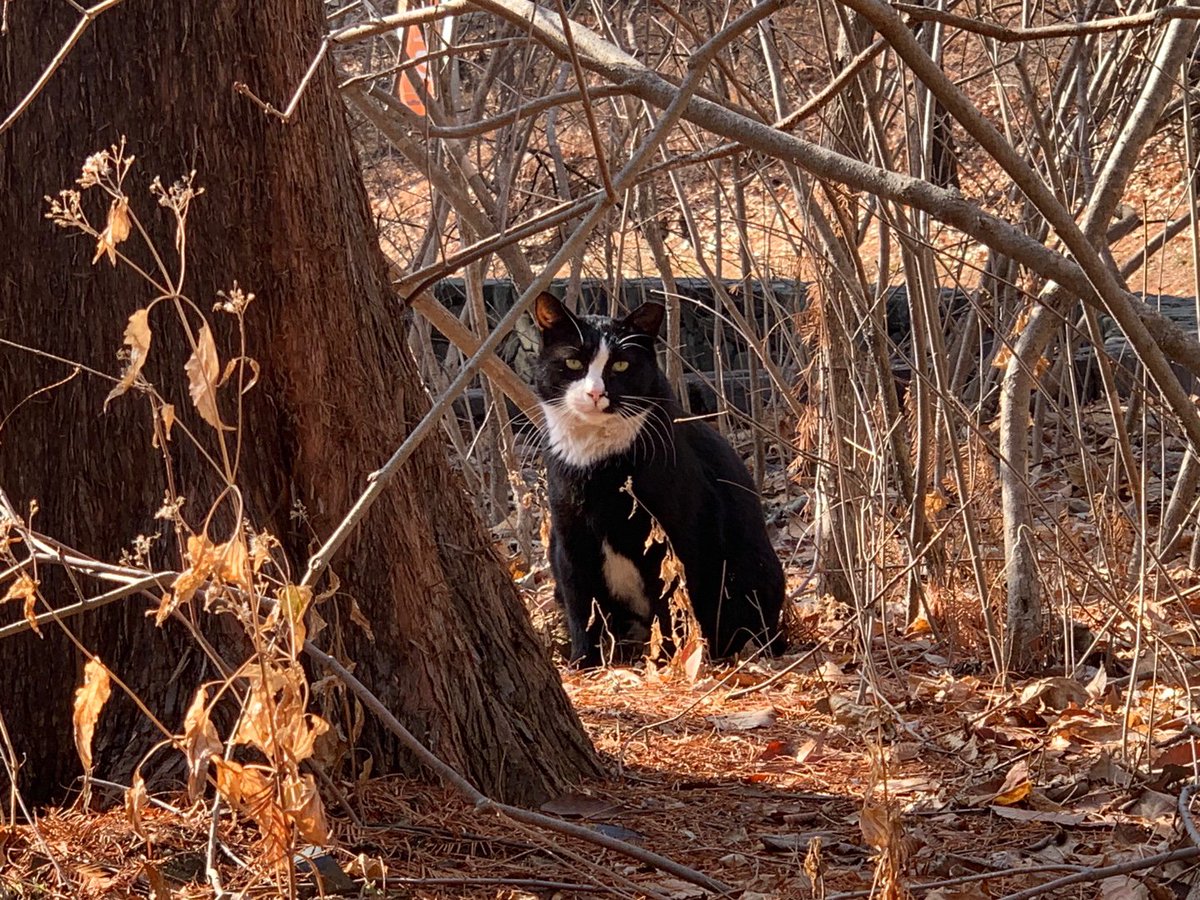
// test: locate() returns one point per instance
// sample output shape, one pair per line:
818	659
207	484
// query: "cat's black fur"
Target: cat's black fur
683	473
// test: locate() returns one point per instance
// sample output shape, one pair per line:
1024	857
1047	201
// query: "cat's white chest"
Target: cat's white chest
584	440
625	582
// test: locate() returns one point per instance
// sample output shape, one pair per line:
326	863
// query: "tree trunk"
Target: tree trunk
285	215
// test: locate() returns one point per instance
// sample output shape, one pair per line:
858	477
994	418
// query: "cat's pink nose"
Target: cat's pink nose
597	394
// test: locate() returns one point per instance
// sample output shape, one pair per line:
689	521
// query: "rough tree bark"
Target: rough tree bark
284	214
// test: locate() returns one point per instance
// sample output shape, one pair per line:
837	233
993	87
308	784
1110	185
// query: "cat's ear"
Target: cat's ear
647	318
549	312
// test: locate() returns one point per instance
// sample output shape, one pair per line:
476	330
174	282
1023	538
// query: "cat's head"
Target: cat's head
597	378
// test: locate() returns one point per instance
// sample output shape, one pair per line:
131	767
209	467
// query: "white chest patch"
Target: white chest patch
580	429
583	441
625	582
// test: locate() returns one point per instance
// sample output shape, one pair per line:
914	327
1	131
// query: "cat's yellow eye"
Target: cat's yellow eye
575	365
620	365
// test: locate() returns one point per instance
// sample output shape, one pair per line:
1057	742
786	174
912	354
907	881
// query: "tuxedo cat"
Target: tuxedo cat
616	456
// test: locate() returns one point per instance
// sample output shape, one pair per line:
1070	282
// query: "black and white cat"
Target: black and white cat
610	424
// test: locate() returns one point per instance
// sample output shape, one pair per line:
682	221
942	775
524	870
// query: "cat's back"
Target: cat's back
715	457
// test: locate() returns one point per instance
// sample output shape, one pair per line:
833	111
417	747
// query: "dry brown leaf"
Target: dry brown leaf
251	791
304	808
878	825
166	606
229	562
203	368
90	698
168	419
1016	786
688	659
233	563
115	232
294	601
359	618
135	805
137	339
1186	753
201	558
273	719
1054	693
200	742
371	868
31	614
22	589
159	889
744	720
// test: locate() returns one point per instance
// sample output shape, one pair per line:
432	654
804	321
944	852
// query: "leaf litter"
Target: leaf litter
766	775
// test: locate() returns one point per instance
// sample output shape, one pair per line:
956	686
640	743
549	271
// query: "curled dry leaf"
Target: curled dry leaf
233	563
203	368
1016	786
201	560
200	742
1055	693
90	698
31	614
116	231
687	659
359	618
159	889
137	339
294	601
304	808
24	588
371	868
21	589
168	419
250	790
879	824
135	805
274	720
229	562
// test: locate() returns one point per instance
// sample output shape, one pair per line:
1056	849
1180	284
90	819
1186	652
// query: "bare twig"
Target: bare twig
286	115
1087	876
589	114
137	586
89	16
1008	35
441	10
1185	812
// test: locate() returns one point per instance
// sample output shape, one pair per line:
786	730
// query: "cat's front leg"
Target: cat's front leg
576	563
